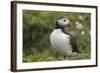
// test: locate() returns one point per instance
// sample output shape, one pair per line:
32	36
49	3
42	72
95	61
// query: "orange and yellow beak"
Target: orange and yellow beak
71	24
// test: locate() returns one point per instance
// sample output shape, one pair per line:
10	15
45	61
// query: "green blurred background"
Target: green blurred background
37	26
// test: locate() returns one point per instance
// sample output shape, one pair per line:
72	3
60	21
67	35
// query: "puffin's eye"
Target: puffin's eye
64	20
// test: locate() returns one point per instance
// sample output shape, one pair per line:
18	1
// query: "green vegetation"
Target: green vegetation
37	26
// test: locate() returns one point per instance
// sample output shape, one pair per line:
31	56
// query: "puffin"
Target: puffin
62	42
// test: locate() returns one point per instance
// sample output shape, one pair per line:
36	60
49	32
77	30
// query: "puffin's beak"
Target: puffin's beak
71	24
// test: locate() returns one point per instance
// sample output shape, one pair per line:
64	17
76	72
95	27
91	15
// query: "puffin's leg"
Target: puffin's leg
65	57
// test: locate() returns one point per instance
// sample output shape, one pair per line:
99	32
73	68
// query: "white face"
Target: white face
63	22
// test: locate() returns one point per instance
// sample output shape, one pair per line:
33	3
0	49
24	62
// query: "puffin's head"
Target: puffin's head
64	23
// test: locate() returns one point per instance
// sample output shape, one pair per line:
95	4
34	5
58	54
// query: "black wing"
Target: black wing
73	44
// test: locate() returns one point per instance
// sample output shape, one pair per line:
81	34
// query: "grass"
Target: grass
47	56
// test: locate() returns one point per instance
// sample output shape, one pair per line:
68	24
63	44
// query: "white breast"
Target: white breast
61	42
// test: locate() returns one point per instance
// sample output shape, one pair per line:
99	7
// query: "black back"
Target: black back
73	44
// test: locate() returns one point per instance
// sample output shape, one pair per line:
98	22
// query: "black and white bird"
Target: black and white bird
62	42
